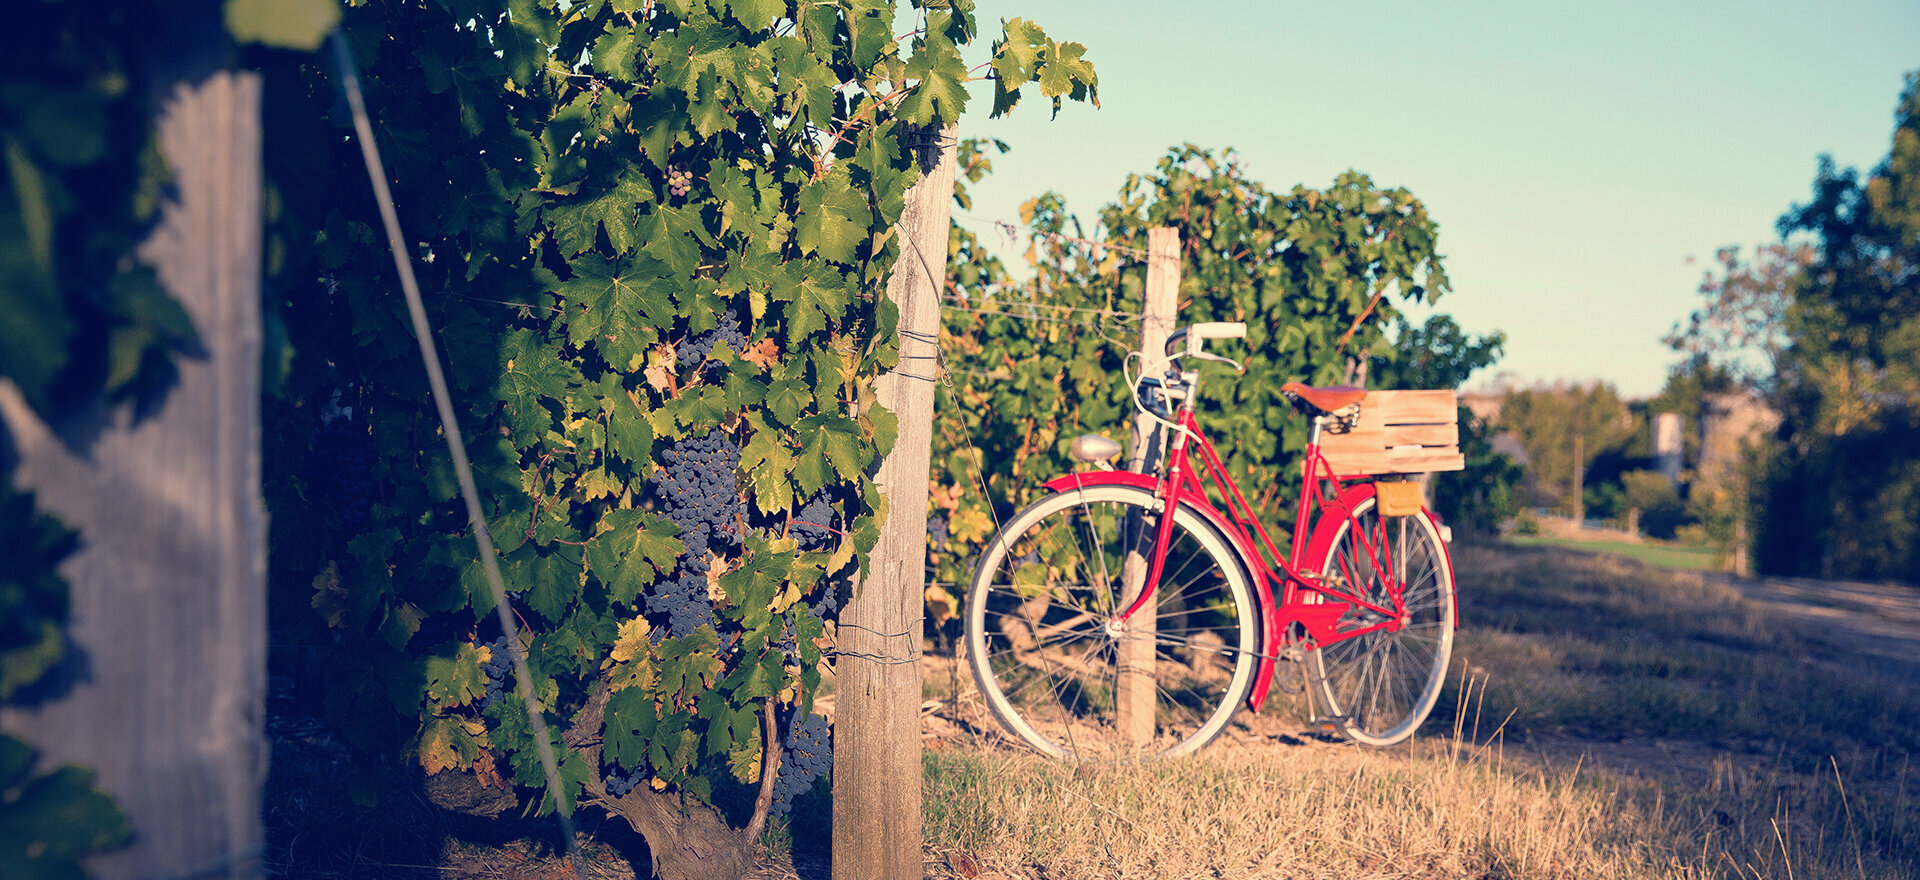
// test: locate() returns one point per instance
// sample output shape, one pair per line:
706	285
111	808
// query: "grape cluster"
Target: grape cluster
812	524
937	531
682	599
809	756
829	602
789	643
679	180
341	475
619	783
695	348
498	669
700	492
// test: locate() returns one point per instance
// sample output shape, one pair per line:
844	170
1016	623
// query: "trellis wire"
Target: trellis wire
456	447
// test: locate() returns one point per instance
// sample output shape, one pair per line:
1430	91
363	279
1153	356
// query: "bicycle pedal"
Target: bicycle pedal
1335	725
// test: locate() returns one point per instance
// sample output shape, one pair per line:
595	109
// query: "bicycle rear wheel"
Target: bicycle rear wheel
1381	685
1060	678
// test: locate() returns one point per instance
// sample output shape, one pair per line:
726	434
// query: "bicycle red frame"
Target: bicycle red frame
1317	617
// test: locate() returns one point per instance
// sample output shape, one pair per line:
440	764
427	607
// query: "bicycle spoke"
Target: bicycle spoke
1384	681
1038	638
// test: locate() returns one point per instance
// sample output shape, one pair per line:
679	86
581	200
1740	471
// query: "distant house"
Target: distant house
1728	421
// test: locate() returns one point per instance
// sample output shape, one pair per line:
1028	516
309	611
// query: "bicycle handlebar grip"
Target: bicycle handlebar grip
1213	330
1221	330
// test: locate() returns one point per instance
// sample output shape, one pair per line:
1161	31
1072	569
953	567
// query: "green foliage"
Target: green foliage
1437	354
1037	363
1547	419
80	182
49	821
592	185
33	596
291	24
1842	488
1662	512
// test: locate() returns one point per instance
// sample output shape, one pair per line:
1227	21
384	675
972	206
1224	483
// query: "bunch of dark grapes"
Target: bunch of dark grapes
937	531
829	602
700	492
697	347
809	756
679	180
498	669
812	524
789	643
619	783
682	599
340	473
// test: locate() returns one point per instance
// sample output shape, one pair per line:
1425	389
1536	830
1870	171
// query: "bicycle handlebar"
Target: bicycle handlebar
1193	335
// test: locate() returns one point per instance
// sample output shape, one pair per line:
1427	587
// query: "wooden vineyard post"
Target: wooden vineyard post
1135	688
163	690
876	740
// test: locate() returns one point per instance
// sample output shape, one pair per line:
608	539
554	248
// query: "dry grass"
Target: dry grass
1651	725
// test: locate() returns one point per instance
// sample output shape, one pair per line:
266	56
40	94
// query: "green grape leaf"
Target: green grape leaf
674	236
869	30
615	51
833	218
941	93
631	550
1016	55
835	437
709	110
52	820
631	721
285	24
787	399
576	221
455	680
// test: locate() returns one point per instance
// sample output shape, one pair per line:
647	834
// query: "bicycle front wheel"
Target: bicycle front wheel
1056	668
1381	685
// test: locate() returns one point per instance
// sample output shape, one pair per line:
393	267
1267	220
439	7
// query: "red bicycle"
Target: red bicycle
1128	615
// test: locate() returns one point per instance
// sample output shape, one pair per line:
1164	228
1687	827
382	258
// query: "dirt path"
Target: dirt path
1881	620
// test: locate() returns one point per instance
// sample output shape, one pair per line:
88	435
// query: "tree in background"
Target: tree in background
1563	428
1825	329
1844	486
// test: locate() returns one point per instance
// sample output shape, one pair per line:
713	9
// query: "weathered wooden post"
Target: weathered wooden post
164	692
876	740
1135	687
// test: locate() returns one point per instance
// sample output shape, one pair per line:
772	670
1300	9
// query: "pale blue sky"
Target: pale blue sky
1576	155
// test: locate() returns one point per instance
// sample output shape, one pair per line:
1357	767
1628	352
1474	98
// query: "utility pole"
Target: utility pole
1579	476
1135	685
876	748
165	687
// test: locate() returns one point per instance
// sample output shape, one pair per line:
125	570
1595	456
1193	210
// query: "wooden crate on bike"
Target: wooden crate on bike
1399	432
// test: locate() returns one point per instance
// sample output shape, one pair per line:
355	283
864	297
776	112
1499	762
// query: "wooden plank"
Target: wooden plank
1423	459
876	735
1411	460
1423	407
1134	688
164	688
1396	435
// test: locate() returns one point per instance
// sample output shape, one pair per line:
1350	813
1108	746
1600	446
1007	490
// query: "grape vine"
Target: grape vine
657	269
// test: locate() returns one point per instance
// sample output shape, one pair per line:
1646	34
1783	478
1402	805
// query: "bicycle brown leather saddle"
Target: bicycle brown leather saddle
1328	400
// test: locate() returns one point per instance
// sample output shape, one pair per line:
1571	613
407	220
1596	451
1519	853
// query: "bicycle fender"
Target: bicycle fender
1334	515
1272	626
